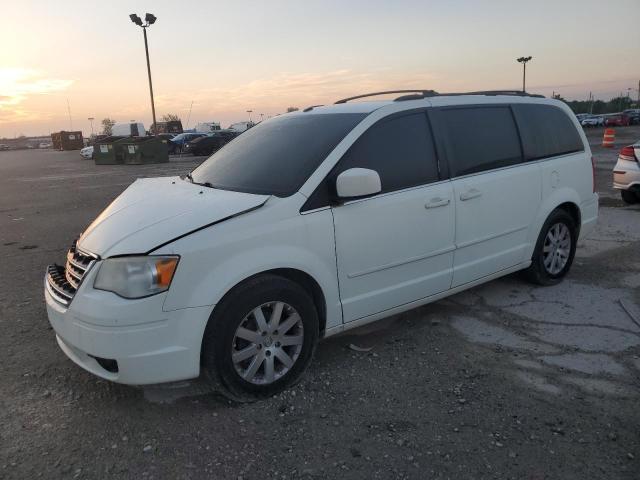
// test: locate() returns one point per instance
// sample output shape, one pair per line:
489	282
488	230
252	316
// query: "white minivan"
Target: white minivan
315	222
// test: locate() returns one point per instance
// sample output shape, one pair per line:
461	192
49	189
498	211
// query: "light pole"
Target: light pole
249	112
91	119
150	19
523	61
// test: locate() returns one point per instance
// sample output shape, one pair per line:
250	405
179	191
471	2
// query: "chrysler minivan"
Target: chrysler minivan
316	222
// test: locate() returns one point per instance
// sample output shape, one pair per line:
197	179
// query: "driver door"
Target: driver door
397	246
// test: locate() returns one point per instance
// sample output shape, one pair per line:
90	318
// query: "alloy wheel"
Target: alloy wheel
267	343
557	247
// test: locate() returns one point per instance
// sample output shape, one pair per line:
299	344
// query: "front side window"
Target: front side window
477	139
546	131
276	156
400	149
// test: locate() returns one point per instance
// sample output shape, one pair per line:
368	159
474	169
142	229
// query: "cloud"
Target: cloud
19	84
299	89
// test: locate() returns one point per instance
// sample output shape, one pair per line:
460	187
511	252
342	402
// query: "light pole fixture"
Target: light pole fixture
91	119
249	112
150	19
523	61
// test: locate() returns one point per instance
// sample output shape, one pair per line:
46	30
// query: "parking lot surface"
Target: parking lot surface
506	380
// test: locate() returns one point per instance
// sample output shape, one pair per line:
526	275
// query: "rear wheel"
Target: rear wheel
555	249
630	197
261	337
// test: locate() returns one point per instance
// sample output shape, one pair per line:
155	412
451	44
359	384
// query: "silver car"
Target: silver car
626	173
592	121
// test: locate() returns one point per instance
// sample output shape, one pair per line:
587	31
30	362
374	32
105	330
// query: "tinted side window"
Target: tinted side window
476	139
546	131
400	149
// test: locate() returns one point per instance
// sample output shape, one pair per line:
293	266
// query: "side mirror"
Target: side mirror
358	182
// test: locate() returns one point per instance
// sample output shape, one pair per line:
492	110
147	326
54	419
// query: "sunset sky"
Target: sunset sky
231	56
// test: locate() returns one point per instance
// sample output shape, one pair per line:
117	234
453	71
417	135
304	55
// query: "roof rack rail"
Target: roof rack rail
515	93
419	92
308	109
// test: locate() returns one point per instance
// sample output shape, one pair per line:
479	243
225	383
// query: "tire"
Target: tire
234	327
629	197
552	272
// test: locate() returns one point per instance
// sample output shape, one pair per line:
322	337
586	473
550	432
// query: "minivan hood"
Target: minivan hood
153	211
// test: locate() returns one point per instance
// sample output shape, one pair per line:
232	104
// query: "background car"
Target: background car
592	121
634	115
4	146
87	152
211	143
618	120
176	144
626	173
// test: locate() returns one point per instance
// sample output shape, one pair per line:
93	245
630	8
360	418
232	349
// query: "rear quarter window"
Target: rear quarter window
546	131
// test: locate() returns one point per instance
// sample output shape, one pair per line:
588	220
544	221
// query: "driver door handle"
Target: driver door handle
437	202
469	194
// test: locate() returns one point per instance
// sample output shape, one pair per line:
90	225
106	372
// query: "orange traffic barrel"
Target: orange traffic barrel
609	137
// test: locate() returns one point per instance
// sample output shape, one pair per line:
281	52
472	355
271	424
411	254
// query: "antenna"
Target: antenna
189	116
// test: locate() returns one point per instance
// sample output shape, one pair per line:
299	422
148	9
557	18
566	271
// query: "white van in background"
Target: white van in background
207	127
241	126
133	129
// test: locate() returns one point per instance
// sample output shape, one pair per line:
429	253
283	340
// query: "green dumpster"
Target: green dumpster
142	150
109	151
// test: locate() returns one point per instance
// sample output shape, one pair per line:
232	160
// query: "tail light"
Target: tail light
628	153
593	174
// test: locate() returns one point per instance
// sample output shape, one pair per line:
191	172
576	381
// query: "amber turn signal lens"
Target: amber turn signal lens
165	269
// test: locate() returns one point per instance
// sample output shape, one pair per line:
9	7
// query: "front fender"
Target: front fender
215	260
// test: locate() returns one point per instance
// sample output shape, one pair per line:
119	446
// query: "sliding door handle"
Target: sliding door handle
469	194
437	202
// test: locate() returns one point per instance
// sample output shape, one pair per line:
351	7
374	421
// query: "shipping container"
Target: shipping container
67	140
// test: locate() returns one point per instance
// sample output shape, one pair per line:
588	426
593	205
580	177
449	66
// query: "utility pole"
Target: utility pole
249	112
150	19
69	112
91	119
523	61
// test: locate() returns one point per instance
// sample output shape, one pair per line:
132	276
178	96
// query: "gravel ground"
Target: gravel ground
506	380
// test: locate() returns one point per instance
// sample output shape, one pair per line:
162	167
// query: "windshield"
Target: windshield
277	156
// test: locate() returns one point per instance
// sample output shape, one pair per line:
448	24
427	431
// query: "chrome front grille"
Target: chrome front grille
63	282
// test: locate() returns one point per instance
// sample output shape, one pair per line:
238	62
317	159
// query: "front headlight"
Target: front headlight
136	277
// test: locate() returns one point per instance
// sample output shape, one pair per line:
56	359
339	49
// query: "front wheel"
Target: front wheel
261	337
629	197
555	249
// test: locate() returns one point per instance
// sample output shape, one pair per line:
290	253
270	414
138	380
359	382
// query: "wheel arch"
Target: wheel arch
572	209
303	279
566	199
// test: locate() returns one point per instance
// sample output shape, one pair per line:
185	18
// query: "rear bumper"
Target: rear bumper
626	175
148	344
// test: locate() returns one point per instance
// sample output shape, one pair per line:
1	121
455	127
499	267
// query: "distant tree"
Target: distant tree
598	107
107	125
292	109
170	117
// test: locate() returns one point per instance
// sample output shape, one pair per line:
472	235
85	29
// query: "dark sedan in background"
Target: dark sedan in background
211	143
177	143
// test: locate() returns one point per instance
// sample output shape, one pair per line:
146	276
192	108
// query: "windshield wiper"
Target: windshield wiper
205	184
